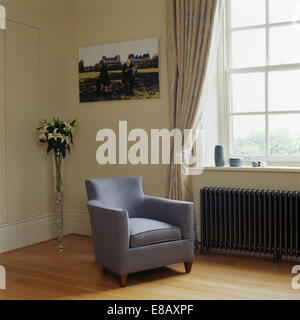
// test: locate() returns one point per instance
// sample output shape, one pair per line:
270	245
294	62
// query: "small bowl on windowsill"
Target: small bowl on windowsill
235	162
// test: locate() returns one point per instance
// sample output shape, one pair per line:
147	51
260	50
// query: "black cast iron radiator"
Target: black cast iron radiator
258	221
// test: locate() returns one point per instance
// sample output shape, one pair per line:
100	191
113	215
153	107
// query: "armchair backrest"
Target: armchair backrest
121	193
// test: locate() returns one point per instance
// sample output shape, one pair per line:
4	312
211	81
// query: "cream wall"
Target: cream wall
95	22
211	116
33	85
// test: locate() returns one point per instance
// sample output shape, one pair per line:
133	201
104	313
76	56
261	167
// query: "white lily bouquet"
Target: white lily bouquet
59	137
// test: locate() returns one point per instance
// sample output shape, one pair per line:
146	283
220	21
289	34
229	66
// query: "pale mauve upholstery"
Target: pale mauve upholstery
148	231
134	232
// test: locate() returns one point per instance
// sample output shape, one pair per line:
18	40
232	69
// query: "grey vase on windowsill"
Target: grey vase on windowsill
219	156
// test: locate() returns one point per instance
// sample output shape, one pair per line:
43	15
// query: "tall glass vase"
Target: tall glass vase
58	162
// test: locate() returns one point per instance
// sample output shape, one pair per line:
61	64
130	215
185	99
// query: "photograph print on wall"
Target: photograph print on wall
119	71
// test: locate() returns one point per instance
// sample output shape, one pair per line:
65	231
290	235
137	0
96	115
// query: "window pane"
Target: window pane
248	135
248	12
284	134
249	48
248	92
285	44
284	10
284	93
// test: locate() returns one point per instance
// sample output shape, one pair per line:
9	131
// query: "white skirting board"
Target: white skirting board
29	231
79	222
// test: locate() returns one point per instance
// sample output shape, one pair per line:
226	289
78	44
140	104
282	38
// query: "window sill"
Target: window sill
269	169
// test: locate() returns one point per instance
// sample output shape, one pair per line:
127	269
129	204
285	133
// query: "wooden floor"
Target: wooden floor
38	272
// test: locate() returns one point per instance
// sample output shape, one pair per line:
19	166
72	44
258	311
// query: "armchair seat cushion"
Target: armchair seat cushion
148	231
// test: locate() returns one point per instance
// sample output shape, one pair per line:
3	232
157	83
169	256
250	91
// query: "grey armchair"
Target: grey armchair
134	232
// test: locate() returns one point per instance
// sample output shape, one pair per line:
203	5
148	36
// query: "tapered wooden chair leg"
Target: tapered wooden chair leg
188	266
123	280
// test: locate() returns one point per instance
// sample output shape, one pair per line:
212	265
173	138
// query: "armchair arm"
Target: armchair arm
110	230
179	213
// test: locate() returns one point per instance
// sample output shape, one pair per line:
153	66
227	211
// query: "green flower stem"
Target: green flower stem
58	161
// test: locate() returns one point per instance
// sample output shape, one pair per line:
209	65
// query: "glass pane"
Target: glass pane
284	93
248	92
284	134
285	44
248	12
248	135
249	48
284	10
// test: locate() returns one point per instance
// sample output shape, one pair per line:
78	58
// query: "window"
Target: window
263	79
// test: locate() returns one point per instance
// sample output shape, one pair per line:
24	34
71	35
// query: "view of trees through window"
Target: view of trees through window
281	144
263	73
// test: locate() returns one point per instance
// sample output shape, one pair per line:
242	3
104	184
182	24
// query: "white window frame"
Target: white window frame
228	71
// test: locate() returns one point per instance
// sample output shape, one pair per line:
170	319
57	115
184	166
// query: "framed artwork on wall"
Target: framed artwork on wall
119	71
